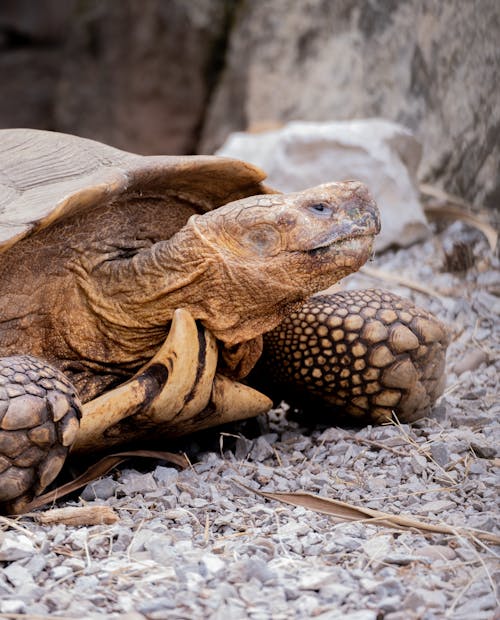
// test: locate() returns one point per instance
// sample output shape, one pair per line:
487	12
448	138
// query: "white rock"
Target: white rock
15	547
12	607
314	580
382	154
435	507
212	564
378	547
59	572
18	575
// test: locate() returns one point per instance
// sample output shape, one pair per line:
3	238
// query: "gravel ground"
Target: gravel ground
192	544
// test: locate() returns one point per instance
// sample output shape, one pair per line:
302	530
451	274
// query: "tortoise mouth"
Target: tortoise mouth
349	244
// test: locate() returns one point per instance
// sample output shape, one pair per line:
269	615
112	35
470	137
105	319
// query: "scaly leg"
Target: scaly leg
367	353
39	413
175	393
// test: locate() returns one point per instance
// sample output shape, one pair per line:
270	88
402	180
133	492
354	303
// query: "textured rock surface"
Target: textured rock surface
139	75
382	154
31	39
428	65
133	74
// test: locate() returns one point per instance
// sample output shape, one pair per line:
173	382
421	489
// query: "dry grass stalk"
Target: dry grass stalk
344	511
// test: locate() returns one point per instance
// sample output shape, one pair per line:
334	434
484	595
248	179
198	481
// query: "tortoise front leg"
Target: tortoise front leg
176	380
39	413
175	393
365	352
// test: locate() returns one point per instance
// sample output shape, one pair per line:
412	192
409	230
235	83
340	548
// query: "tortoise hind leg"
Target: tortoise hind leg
39	420
368	353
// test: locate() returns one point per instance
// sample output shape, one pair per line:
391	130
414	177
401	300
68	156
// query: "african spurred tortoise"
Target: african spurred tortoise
142	287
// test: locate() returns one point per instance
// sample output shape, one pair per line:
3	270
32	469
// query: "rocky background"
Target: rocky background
171	76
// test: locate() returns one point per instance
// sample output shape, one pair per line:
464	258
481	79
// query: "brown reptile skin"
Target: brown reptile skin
366	352
33	396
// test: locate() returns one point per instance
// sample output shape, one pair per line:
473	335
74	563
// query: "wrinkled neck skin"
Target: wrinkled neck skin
235	299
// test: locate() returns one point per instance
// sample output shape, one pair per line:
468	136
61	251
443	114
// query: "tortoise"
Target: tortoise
139	291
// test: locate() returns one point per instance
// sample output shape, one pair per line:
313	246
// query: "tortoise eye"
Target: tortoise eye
321	209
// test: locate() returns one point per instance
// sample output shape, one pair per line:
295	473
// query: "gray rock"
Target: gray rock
261	450
103	488
15	547
155	104
18	575
212	565
389	603
242	448
259	569
481	603
134	482
470	361
357	49
37	609
440	453
483	450
336	592
36	565
166	477
431	598
435	507
60	572
437	552
478	467
86	583
12	606
157	604
391	587
314	580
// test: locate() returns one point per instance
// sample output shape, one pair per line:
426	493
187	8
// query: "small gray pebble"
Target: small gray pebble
261	450
156	604
59	572
478	467
255	567
389	603
242	448
12	606
18	575
134	482
100	489
483	450
440	453
166	477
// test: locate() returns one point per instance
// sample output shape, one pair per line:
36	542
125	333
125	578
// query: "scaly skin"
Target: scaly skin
367	353
39	413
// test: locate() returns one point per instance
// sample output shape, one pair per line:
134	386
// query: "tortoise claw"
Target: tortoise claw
230	401
173	385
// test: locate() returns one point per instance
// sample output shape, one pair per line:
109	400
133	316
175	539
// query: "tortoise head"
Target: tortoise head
264	253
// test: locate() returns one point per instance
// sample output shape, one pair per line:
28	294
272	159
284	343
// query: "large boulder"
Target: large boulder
32	35
432	66
136	75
